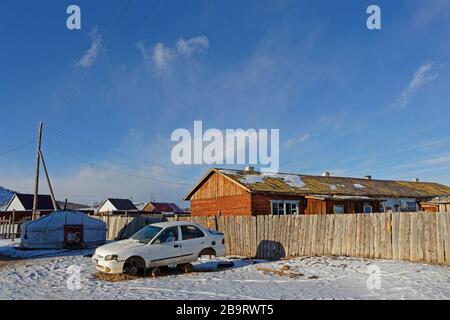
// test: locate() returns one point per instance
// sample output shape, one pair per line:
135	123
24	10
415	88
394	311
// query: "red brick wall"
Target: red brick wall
228	205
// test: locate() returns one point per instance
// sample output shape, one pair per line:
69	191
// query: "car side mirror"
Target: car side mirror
157	241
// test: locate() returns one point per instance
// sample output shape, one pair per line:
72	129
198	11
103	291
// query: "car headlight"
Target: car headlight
111	257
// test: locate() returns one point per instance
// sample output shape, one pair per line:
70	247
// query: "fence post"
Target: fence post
14	225
9	227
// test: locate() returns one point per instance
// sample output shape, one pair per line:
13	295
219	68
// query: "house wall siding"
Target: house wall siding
227	206
316	206
219	195
15	205
107	207
218	186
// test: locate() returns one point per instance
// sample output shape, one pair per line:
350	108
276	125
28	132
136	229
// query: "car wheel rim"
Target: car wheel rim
131	269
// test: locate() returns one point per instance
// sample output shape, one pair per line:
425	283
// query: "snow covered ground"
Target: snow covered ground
46	275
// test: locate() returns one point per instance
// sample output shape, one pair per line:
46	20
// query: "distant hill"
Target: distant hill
5	196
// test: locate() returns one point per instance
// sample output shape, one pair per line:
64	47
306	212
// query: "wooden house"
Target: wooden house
247	192
438	204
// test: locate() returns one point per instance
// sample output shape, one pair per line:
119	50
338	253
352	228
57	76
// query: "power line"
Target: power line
122	163
161	3
92	164
116	155
18	147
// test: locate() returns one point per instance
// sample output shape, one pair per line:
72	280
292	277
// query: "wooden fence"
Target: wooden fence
122	227
419	237
10	223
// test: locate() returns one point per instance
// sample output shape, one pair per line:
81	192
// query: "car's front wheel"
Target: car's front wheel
134	266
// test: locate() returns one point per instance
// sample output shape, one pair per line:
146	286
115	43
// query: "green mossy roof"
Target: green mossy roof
319	185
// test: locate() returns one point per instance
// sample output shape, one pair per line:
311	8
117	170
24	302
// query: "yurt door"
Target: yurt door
73	236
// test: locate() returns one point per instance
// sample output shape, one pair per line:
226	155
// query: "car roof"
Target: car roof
174	224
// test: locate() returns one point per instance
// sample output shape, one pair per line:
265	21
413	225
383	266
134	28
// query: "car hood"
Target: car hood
117	247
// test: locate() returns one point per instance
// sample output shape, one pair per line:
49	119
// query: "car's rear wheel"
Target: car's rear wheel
134	266
207	252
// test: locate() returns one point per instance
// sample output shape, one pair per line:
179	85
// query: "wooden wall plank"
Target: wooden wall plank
413	245
395	235
433	238
446	227
440	241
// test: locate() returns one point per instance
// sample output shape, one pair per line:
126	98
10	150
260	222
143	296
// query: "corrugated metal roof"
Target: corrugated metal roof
298	184
44	201
122	204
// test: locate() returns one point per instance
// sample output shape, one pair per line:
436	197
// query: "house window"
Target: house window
367	208
280	207
411	207
339	209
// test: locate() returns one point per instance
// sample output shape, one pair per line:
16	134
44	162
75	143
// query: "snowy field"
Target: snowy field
44	275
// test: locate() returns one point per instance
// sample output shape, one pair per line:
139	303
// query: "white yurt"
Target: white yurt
63	229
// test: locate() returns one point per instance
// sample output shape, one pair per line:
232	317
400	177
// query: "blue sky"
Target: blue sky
346	99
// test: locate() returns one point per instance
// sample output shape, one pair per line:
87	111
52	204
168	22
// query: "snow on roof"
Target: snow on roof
251	179
291	180
359	186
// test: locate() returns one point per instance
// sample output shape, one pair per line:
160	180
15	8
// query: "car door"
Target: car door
166	247
192	240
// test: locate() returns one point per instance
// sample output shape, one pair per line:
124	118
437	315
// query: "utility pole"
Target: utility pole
36	179
55	204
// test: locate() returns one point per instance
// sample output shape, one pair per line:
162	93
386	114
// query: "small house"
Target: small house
117	206
24	202
248	192
438	204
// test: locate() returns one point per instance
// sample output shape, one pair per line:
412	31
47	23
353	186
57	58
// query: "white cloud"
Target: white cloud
423	75
297	140
160	57
190	46
91	55
88	184
442	160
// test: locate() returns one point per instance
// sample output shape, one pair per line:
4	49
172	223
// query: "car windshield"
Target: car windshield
147	234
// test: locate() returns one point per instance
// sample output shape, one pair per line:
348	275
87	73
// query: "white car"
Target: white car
160	244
